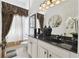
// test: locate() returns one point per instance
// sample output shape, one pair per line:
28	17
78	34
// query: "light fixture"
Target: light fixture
47	7
57	2
40	8
52	5
49	3
53	0
43	5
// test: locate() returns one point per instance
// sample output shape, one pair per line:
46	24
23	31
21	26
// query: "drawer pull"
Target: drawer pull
50	55
44	52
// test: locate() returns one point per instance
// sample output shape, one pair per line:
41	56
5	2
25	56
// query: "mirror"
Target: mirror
55	21
71	26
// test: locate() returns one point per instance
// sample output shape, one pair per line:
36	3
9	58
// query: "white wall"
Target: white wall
21	3
0	22
25	21
0	27
65	10
78	27
35	4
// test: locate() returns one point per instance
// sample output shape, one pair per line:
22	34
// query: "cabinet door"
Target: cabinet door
30	48
42	53
52	55
0	52
74	55
34	50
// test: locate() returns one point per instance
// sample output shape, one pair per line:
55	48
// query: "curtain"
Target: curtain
15	32
41	19
6	22
8	11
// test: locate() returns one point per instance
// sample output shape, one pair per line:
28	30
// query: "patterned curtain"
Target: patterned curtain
6	22
41	19
8	11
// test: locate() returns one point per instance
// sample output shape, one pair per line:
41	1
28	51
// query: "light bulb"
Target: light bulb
43	5
48	2
52	5
57	2
40	8
53	0
47	7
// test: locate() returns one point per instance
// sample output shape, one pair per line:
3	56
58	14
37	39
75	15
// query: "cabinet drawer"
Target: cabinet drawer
52	55
42	53
56	50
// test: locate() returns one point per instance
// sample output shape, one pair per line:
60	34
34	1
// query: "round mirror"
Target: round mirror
55	21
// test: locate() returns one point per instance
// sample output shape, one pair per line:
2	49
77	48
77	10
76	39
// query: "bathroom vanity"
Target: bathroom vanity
38	48
0	51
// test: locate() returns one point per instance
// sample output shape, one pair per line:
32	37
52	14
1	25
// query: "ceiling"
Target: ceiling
21	3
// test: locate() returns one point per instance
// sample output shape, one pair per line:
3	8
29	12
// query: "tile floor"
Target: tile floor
21	51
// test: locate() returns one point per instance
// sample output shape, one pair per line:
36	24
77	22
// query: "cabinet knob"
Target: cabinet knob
44	52
50	55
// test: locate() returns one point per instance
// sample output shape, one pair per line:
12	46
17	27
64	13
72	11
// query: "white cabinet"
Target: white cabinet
32	47
0	52
34	50
74	55
42	53
54	50
41	49
52	55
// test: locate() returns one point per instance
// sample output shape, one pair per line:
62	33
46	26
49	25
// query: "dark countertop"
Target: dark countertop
62	44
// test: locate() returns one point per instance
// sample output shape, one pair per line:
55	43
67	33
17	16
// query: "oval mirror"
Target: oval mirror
55	21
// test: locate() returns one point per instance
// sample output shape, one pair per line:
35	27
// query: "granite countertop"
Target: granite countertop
61	45
66	43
